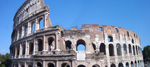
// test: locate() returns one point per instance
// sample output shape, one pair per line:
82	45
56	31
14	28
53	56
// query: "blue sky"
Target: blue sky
130	14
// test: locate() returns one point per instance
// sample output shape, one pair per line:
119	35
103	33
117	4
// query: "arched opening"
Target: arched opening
39	64
96	65
94	46
13	51
23	49
29	65
133	50
22	65
81	45
125	48
20	33
68	45
127	33
132	41
120	65
65	65
130	51
33	27
132	64
118	49
100	29
135	64
81	66
18	50
116	30
110	39
50	65
102	48
41	24
26	31
50	43
40	45
111	50
136	50
31	48
113	65
127	64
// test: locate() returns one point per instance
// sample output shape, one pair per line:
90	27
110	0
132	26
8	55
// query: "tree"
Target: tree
146	54
4	60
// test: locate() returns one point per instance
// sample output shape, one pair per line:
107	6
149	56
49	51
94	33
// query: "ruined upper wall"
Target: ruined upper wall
28	9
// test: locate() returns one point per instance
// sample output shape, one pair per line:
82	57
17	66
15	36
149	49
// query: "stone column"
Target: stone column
36	25
20	51
57	36
26	49
19	64
29	28
34	46
15	52
23	31
17	34
25	64
44	45
44	64
47	22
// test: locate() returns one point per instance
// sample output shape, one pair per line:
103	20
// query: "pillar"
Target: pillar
36	25
29	28
23	31
57	36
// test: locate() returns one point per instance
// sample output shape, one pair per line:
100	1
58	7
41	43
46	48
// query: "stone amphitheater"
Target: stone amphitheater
36	43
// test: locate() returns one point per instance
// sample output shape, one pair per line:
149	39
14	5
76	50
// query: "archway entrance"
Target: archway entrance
81	66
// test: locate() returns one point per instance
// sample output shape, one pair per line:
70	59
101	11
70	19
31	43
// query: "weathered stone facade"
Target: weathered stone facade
53	46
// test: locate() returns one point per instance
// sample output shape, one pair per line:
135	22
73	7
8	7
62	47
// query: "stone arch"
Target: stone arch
130	50
65	65
111	50
110	39
33	27
31	48
40	44
125	48
25	30
113	65
133	50
23	49
68	45
50	43
39	64
120	65
81	66
51	65
102	48
116	29
136	50
94	46
22	65
18	49
132	41
29	65
127	33
127	64
118	46
135	64
132	65
81	46
41	23
96	65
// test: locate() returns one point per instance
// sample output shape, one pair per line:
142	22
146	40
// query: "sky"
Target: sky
133	15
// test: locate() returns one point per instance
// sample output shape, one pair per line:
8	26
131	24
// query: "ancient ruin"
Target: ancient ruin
36	45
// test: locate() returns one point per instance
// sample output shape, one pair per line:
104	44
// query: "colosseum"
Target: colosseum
36	43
